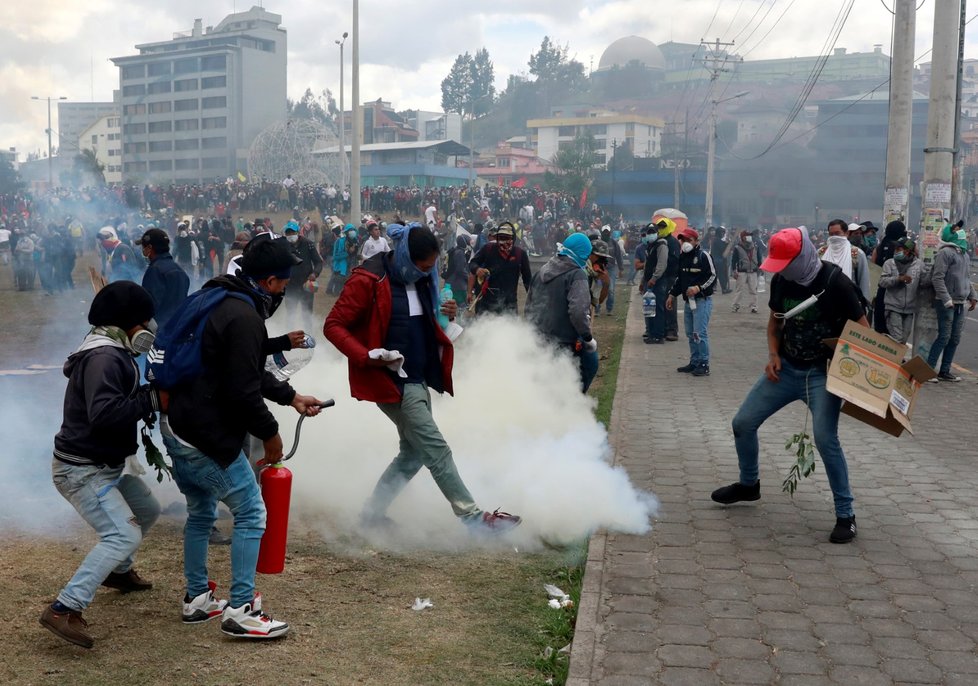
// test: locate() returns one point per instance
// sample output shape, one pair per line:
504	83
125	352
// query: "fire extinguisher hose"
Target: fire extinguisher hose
298	429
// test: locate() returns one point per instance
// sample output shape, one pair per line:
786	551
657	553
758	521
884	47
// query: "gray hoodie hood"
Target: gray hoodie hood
555	267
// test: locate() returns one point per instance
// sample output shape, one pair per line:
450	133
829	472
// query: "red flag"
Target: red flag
583	201
519	183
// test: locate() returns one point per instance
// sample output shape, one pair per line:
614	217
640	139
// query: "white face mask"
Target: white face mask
687	247
292	237
183	234
748	239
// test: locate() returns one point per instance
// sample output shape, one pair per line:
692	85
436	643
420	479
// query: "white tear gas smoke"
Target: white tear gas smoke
523	436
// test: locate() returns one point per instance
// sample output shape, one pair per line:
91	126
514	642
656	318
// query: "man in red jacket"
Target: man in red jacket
384	322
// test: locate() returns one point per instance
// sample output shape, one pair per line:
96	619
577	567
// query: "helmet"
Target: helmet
600	248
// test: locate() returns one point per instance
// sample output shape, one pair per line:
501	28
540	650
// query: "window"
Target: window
214	163
160	127
185	85
134	71
160	146
214	122
185	105
187	164
630	128
134	109
112	123
159	69
566	131
114	153
213	63
213	103
134	148
159	87
94	140
186	125
213	82
133	91
159	107
135	166
188	65
113	137
216	142
134	128
598	129
188	144
161	165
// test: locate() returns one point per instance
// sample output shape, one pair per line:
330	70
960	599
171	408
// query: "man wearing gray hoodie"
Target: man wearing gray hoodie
951	278
903	275
558	304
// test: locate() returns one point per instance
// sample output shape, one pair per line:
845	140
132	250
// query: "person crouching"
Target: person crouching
103	404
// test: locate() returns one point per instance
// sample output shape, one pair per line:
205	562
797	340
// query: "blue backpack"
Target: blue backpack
175	357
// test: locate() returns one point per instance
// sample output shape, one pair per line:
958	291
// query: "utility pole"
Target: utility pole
357	128
343	162
675	161
716	63
614	168
896	196
938	156
957	190
49	98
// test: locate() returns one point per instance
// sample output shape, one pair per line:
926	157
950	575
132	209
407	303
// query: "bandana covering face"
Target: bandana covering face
806	265
404	270
838	251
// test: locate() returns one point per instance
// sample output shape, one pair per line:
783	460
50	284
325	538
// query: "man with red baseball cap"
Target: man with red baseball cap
810	301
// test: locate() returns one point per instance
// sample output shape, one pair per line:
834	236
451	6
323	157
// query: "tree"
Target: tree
321	108
545	64
10	182
574	166
86	170
482	92
456	88
623	159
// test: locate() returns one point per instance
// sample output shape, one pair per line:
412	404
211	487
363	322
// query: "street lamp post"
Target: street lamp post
357	127
49	98
711	158
342	123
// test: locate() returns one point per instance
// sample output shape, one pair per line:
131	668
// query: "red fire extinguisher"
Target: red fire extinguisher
276	491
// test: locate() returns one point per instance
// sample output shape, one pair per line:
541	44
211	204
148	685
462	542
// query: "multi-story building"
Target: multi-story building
192	106
436	126
75	117
380	123
642	134
104	138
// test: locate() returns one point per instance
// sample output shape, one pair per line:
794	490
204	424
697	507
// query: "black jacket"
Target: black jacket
215	411
312	263
168	284
695	269
103	405
504	276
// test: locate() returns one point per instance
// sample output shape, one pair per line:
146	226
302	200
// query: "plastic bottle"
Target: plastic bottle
444	296
648	303
691	304
285	364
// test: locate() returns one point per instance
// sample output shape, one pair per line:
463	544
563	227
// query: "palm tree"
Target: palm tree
87	162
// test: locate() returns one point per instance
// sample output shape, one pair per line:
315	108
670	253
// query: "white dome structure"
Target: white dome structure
632	49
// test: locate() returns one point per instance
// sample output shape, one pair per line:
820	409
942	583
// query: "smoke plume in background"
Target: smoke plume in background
523	436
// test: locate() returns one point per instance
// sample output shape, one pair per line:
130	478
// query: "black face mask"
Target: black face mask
275	300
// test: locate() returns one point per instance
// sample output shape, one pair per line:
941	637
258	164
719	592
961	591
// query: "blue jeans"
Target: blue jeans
696	323
767	397
204	483
421	445
120	508
950	321
655	327
613	275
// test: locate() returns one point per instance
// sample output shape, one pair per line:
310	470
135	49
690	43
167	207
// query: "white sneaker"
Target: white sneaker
248	621
204	607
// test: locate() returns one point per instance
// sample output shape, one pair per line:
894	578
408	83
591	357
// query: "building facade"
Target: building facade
642	134
75	117
191	106
104	138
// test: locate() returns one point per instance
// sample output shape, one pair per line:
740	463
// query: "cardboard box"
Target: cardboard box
868	372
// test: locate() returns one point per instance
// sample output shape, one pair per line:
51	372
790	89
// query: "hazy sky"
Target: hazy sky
62	47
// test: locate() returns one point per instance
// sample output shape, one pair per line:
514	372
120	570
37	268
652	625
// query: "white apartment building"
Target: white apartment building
104	138
610	130
193	105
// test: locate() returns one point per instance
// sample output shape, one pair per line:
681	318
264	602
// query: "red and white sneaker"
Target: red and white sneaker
248	621
495	522
204	607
